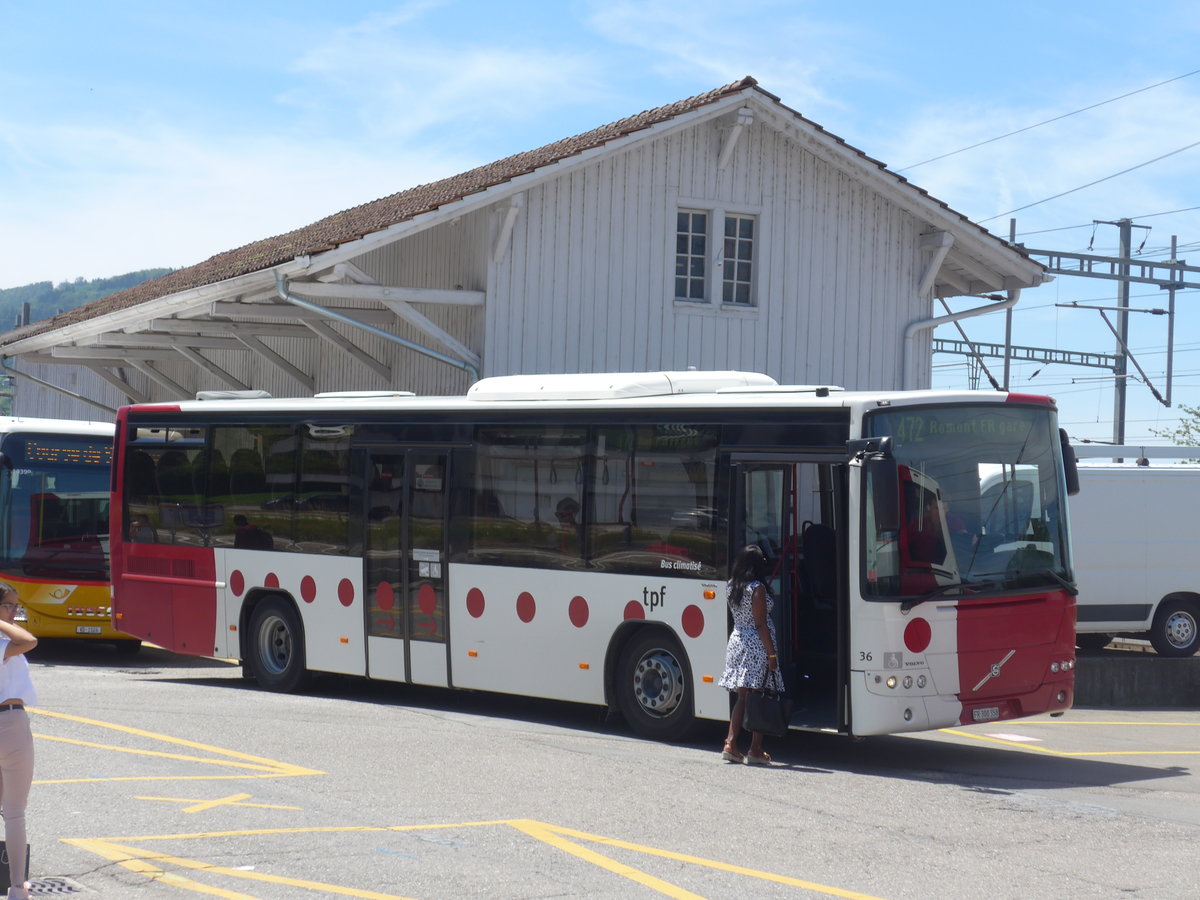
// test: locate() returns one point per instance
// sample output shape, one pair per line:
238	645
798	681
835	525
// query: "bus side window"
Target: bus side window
246	474
140	482
175	475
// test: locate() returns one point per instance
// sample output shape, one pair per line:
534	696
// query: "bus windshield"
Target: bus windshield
981	501
54	504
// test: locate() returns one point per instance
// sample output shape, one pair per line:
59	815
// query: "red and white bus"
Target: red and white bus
54	496
568	537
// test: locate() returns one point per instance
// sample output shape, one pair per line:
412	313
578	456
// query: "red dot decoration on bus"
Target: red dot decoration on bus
384	595
271	581
475	602
634	610
345	592
427	599
237	582
526	607
578	611
917	635
308	589
693	621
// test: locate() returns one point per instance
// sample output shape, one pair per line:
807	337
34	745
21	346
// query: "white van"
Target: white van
1137	550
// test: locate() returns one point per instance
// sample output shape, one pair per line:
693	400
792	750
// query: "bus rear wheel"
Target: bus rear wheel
1175	631
653	687
276	648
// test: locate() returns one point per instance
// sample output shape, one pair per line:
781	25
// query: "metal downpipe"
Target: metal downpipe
282	289
910	332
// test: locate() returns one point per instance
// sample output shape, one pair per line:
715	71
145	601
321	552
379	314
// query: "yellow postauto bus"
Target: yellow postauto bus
54	500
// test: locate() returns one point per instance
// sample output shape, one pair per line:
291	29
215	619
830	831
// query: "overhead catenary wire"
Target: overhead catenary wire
1081	187
1169	212
1048	121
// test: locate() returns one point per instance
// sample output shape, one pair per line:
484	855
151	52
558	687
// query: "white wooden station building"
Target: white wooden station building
724	231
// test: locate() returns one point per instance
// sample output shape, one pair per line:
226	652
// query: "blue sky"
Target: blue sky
141	134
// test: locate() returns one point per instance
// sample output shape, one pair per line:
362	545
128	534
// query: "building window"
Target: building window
738	268
733	264
691	248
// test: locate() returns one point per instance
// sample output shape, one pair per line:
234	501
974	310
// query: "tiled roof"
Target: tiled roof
356	222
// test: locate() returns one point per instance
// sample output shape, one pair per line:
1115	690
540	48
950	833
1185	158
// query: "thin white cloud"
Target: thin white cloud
685	38
421	80
122	201
1056	158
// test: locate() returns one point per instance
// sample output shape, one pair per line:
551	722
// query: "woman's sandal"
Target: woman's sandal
731	754
758	759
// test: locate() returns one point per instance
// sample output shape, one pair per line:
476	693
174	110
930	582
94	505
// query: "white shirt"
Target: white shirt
14	676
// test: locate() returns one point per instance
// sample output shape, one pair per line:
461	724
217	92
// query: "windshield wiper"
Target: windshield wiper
1068	586
965	587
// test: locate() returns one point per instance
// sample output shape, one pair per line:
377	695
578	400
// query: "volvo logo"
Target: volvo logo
994	671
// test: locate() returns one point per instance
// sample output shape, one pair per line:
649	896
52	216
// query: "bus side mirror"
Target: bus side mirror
883	478
1070	465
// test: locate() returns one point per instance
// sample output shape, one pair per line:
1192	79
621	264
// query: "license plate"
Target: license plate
985	713
87	629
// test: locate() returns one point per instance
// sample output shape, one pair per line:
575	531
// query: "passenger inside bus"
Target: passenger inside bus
141	531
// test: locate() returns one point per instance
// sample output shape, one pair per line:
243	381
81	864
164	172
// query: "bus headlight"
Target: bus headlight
1054	667
921	682
908	682
891	682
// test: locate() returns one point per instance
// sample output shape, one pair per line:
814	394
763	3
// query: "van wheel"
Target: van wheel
277	647
654	687
1175	631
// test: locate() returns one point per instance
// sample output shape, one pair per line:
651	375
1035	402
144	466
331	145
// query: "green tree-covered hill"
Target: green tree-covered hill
46	299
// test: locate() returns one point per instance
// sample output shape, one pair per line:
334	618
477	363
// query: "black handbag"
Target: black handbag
4	878
768	711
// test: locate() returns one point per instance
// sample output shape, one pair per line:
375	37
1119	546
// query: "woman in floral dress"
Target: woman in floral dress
750	657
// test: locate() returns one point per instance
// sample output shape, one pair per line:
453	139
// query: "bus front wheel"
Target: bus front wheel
276	648
653	689
1175	631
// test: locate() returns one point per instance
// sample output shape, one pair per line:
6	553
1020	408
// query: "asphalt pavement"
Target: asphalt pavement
166	777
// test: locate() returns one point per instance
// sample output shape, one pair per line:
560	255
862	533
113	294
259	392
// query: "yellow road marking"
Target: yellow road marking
264	768
202	805
107	778
1061	721
549	836
711	864
135	859
1052	752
